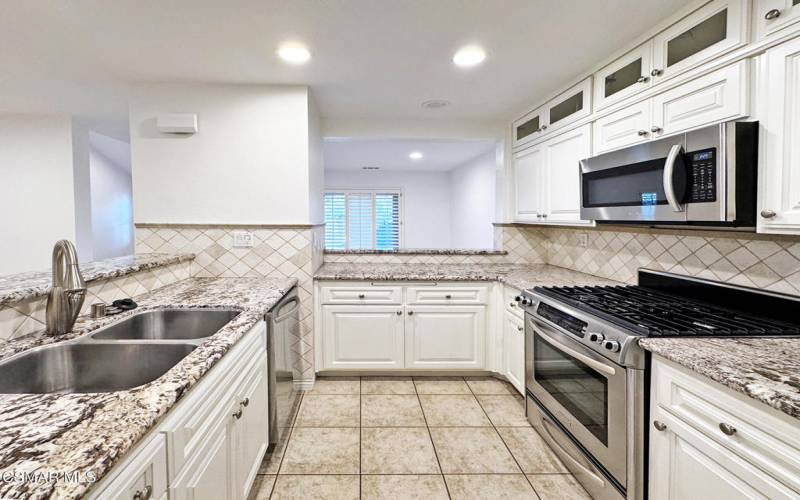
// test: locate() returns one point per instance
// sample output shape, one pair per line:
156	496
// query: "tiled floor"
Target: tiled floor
421	438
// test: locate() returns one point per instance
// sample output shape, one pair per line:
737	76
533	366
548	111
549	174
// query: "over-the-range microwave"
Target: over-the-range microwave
706	177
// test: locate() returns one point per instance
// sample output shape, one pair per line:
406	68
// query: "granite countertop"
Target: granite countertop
418	251
23	286
520	276
766	369
89	433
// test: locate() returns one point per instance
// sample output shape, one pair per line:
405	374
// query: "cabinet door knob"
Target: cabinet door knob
237	415
399	313
538	216
361	295
660	426
143	495
772	14
245	402
448	296
544	216
519	328
727	429
544	127
768	214
512	304
642	133
655	129
656	72
410	313
643	79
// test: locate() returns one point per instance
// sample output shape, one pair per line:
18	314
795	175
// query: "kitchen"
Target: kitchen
378	250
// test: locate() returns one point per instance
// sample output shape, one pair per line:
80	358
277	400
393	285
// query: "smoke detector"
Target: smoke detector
435	104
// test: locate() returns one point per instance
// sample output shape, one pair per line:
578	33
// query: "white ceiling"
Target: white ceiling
371	58
438	156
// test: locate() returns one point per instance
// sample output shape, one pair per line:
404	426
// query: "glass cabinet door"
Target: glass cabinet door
528	127
699	37
625	76
566	107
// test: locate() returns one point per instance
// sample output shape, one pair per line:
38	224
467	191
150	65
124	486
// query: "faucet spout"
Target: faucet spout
68	291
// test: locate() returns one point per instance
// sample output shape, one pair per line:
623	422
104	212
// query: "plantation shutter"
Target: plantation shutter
387	221
335	221
362	220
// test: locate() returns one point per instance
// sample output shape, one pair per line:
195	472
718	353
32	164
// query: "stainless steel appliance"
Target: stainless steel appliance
586	376
706	177
282	326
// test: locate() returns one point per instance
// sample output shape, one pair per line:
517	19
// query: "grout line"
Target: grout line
433	445
286	446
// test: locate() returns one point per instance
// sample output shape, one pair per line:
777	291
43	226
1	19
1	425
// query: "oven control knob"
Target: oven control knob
611	345
597	338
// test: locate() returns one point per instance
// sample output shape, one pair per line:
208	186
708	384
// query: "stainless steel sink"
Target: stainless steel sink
168	324
89	367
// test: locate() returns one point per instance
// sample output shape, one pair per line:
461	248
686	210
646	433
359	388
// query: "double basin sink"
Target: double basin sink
120	356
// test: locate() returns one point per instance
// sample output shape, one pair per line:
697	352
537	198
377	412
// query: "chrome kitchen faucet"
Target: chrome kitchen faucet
68	290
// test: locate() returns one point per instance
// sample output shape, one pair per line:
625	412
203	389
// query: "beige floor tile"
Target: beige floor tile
322	451
336	385
316	488
463	450
391	411
407	487
397	450
557	487
490	385
441	385
532	453
262	487
494	486
387	385
272	460
326	410
453	411
505	411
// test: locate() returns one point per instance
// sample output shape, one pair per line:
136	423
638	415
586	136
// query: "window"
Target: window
362	219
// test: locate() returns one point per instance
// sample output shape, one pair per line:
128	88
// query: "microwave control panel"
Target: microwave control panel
702	176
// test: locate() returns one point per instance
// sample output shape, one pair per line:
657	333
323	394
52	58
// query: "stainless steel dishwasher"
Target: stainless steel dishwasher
283	325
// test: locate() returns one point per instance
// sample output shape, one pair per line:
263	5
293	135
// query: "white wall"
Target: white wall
36	192
249	162
316	164
81	171
112	206
472	202
425	203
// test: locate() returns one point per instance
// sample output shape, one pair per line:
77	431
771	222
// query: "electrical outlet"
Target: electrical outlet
583	240
243	239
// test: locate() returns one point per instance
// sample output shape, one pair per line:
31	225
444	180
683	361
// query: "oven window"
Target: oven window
639	184
580	390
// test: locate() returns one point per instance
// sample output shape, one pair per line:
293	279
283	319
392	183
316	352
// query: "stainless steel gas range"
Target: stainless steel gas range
587	378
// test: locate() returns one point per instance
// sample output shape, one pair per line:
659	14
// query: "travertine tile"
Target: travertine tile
272	460
496	486
322	451
387	385
557	487
336	385
505	411
262	487
463	450
330	487
490	385
532	453
441	385
391	411
325	410
453	411
406	487
397	451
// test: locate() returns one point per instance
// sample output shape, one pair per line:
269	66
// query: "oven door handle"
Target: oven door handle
596	365
669	169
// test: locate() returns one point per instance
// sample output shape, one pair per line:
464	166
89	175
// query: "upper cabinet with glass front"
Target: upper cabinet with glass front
624	77
530	127
772	16
714	29
567	107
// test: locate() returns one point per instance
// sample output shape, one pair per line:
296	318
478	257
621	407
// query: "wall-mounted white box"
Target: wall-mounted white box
177	123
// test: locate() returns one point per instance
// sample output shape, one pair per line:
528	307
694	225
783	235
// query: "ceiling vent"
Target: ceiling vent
435	104
370	168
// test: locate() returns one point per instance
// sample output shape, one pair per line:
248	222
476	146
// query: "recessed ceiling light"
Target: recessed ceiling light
294	53
469	56
415	155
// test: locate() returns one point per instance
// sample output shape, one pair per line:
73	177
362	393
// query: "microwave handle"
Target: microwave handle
669	169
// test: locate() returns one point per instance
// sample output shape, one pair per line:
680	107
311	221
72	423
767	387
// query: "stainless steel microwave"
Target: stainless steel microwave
706	177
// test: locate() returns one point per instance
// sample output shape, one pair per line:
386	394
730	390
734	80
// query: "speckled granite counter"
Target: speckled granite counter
92	432
516	275
23	286
766	369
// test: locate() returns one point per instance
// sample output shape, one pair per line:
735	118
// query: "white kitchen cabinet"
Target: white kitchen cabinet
626	127
562	182
362	336
514	350
713	98
779	202
144	475
569	106
445	337
626	76
251	428
530	127
529	180
707	441
712	30
772	16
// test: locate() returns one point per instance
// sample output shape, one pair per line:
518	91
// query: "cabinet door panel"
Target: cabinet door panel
563	173
780	176
445	337
767	22
529	127
628	75
514	351
570	106
252	429
630	125
529	169
362	337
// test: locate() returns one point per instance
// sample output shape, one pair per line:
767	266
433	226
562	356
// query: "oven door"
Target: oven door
584	391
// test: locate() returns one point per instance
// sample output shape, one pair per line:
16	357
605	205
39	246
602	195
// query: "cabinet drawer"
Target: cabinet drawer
145	472
628	126
448	294
751	430
509	299
362	294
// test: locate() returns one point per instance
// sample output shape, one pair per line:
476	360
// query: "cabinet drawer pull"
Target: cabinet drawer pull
727	429
237	415
772	14
410	313
143	495
519	328
656	72
448	296
767	213
660	426
643	79
245	402
642	133
655	129
361	295
399	313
